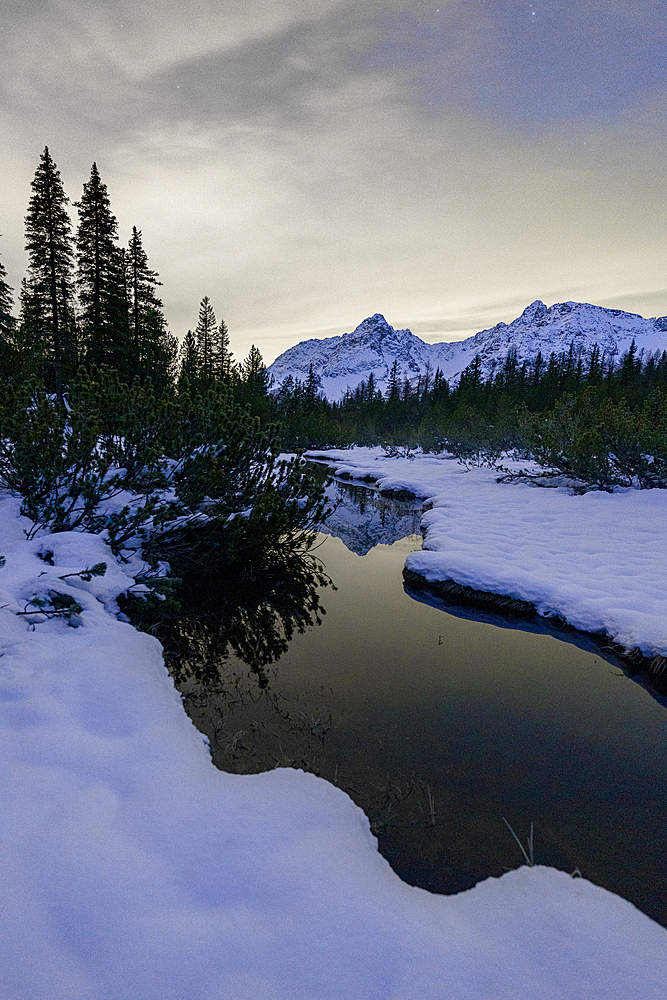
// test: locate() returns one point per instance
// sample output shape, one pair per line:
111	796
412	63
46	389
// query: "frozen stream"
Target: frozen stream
440	725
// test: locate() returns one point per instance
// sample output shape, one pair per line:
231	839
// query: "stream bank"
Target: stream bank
439	722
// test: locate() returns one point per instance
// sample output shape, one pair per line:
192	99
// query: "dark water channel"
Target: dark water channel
437	724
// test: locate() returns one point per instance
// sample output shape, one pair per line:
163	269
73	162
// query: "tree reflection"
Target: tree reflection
251	611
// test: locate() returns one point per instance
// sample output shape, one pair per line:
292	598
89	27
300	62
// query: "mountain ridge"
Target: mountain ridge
342	362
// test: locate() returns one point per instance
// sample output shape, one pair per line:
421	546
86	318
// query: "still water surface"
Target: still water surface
439	726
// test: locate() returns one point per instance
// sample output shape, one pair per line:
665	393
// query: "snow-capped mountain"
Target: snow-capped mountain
342	362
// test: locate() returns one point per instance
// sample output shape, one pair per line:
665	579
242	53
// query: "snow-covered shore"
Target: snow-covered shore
132	868
598	561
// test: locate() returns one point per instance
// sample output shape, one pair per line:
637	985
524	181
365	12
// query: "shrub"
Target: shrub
181	471
602	443
51	455
474	441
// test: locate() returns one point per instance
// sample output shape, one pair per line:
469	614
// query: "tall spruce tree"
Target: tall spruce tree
100	281
154	349
50	285
393	390
188	367
224	366
7	327
207	336
7	321
311	390
440	391
255	379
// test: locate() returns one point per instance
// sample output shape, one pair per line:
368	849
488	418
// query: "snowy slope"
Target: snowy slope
132	869
342	362
345	361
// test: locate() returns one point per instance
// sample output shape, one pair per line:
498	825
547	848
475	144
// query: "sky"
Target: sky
307	163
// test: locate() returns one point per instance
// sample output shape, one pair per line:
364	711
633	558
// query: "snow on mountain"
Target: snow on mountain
342	362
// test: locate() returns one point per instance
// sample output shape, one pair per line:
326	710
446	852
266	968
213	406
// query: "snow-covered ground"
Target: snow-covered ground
598	560
132	869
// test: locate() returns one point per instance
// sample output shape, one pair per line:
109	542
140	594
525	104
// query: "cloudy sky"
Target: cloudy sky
307	163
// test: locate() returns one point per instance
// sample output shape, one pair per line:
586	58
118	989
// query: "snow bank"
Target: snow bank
598	560
132	868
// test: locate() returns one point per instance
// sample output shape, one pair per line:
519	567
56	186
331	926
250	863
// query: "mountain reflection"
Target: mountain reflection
361	518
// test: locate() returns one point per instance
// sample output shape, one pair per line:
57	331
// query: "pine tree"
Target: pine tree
7	328
224	364
628	374
311	390
7	321
595	367
188	372
506	375
537	369
471	381
393	390
50	284
101	282
154	350
427	380
207	336
255	379
285	397
440	393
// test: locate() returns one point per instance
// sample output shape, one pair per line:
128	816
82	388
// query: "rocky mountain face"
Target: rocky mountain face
342	362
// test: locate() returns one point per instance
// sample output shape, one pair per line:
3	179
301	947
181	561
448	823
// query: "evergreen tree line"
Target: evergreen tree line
91	321
600	419
89	304
86	302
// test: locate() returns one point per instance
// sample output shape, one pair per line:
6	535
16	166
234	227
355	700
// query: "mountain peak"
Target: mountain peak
536	308
377	319
374	326
343	362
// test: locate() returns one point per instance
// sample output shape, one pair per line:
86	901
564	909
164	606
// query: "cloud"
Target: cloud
307	164
144	38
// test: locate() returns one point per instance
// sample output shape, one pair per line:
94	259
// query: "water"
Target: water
438	725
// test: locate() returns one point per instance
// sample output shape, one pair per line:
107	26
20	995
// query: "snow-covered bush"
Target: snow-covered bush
52	456
602	443
187	471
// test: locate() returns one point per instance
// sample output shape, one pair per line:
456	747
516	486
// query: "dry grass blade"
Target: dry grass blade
528	855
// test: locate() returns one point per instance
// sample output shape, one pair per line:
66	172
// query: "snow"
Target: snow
598	560
342	362
132	868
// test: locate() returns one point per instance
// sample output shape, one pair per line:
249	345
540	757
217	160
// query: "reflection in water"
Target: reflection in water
438	726
362	518
656	685
250	614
